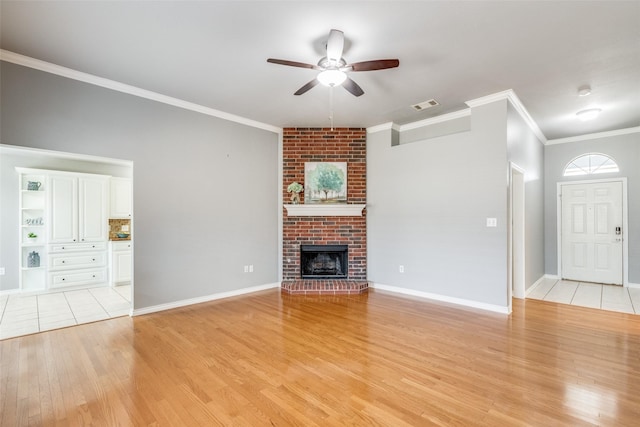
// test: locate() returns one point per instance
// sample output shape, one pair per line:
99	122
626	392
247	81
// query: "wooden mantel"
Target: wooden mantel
325	210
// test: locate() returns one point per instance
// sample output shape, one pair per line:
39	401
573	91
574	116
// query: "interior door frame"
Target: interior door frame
625	222
516	236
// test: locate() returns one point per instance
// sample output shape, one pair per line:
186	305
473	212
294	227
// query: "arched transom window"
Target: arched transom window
589	164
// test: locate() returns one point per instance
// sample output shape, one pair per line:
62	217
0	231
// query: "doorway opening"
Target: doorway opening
67	283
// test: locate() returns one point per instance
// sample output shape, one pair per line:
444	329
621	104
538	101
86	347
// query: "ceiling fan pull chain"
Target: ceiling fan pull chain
331	106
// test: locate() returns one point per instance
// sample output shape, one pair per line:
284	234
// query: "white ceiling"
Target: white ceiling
214	54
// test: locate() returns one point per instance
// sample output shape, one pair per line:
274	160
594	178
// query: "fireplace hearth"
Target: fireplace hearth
324	261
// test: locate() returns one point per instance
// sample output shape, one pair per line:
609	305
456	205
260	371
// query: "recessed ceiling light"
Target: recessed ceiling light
589	114
584	91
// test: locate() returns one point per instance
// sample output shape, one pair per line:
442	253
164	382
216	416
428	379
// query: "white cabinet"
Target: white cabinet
63	228
63	208
77	264
78	208
77	277
121	201
93	223
121	257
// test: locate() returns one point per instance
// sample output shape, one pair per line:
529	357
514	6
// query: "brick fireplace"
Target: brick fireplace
302	145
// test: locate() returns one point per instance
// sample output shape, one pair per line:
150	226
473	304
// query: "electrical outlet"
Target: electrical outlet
401	269
1	271
124	228
246	268
492	222
251	268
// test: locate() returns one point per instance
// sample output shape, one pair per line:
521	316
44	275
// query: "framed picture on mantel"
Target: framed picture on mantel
325	182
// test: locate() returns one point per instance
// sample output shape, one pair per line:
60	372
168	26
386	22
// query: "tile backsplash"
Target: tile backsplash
115	227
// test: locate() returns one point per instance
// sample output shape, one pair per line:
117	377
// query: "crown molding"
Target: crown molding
69	73
40	152
511	96
383	126
426	122
594	136
437	119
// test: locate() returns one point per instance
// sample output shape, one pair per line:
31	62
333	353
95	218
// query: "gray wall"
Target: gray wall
527	151
625	150
427	204
205	189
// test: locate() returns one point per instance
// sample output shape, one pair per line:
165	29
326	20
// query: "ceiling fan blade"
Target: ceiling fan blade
335	44
378	64
306	87
352	87
293	63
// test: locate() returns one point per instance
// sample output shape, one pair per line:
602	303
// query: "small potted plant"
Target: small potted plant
295	188
32	235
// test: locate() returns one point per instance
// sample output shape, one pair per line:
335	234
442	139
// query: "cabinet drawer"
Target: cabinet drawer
73	247
122	245
74	261
71	278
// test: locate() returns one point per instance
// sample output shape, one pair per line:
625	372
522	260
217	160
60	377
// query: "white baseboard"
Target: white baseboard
536	283
10	292
556	277
198	300
443	298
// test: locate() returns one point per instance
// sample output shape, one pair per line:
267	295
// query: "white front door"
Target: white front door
592	232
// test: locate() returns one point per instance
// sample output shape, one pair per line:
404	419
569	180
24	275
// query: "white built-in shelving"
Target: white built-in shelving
33	229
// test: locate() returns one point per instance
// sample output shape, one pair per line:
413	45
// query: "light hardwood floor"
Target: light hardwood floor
271	359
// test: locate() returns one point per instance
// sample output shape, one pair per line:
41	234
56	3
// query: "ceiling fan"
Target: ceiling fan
333	68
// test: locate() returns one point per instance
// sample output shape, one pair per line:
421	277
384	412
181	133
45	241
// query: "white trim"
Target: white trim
437	119
279	205
324	210
10	292
488	99
14	149
422	123
633	285
45	291
511	292
535	285
199	300
381	127
443	298
511	96
594	136
625	222
69	73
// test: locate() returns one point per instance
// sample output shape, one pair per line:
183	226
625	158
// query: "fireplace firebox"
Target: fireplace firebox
324	261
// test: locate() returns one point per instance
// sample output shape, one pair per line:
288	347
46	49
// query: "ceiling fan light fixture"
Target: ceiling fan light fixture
589	114
332	77
584	91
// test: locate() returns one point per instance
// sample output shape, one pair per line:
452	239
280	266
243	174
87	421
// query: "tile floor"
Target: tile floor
604	297
23	315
